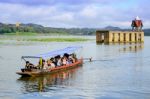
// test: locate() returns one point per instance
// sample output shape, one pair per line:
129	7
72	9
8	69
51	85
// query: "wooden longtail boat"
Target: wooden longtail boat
38	72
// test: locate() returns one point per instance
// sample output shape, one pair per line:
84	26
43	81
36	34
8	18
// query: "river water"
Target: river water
118	71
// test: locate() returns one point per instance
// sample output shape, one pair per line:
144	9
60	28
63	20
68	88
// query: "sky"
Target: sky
75	13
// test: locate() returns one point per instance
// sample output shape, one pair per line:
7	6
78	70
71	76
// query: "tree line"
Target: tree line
35	28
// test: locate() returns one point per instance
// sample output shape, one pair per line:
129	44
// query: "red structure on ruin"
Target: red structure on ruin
137	24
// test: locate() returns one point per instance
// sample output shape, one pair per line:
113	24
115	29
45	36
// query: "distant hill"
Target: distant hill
35	28
112	28
147	32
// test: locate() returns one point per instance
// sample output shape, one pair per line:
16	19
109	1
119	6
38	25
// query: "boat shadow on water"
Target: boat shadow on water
49	82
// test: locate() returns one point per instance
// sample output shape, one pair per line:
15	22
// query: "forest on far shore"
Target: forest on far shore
35	28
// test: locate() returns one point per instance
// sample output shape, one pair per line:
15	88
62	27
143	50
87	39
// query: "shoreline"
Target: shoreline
47	38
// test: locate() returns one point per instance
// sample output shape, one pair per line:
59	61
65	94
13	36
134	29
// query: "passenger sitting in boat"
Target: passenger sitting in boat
51	64
54	61
64	60
57	60
48	62
29	65
70	60
45	65
59	63
66	55
41	63
74	57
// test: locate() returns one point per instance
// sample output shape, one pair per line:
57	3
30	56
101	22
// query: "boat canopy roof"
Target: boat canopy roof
68	50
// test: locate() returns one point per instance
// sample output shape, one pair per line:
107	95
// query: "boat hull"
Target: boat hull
38	72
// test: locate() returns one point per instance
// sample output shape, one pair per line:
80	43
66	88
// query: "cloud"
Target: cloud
45	15
56	2
89	12
74	13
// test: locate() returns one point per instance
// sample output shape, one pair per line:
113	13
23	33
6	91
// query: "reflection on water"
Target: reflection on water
119	71
45	82
133	47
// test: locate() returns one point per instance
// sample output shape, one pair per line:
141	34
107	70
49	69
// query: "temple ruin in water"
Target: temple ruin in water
136	35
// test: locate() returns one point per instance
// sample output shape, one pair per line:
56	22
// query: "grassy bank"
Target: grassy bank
48	37
21	34
58	39
34	34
